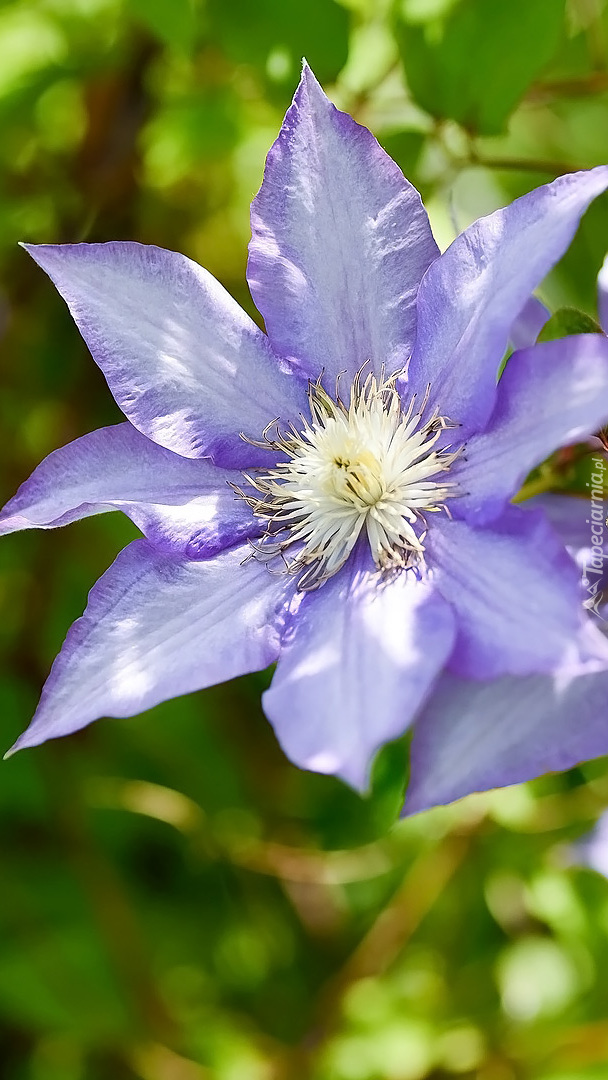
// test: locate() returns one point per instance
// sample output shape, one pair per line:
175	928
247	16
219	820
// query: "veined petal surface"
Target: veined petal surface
156	627
182	504
357	659
473	736
185	363
340	241
470	296
514	589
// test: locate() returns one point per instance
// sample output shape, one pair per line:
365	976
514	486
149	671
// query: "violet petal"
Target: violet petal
470	296
185	363
156	627
182	504
357	659
340	241
551	395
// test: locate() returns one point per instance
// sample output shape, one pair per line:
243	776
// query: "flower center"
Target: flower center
367	466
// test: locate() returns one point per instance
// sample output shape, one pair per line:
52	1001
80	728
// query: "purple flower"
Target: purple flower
602	295
360	533
592	849
529	323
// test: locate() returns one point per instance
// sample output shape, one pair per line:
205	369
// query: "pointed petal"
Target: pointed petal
179	503
529	323
340	241
515	592
357	660
180	355
551	395
602	295
156	627
475	736
471	295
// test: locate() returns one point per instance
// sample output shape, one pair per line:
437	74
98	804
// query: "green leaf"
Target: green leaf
173	23
275	36
474	64
568	320
405	147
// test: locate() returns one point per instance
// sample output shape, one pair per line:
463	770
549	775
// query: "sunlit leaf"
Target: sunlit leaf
568	320
474	64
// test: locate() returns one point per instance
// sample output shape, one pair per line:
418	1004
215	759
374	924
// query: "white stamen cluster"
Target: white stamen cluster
366	465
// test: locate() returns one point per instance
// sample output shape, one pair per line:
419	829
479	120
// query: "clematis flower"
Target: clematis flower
602	295
592	850
529	323
360	533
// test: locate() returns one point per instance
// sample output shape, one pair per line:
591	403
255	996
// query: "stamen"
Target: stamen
368	467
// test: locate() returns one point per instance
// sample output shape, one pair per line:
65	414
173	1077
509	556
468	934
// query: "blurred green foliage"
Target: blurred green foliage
177	901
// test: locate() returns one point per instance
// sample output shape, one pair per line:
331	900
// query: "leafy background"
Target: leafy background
177	902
